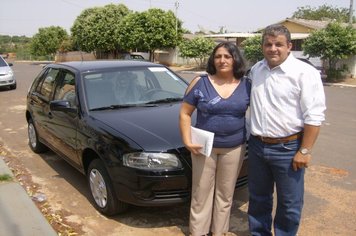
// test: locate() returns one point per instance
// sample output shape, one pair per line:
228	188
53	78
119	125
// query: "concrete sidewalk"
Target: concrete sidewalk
19	216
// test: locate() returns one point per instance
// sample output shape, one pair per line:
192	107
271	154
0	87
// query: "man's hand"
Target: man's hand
301	161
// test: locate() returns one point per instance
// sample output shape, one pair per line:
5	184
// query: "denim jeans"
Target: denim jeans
269	166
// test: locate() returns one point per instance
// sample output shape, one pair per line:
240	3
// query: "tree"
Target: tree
198	48
323	12
252	48
48	40
331	44
66	46
12	43
150	30
96	29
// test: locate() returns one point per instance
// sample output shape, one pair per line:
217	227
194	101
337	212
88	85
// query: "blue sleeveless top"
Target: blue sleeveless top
224	117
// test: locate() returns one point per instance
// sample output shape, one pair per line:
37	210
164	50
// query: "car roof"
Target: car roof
84	66
305	60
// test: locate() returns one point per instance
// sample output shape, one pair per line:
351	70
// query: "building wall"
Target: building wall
296	28
74	56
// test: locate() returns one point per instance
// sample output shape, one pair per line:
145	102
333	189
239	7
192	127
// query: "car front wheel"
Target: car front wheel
102	191
13	86
33	141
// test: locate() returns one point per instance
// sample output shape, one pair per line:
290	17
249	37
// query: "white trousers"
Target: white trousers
213	187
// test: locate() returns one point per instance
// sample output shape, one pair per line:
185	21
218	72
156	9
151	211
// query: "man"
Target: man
287	109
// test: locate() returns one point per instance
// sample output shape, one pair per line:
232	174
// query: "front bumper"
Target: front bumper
162	188
7	80
150	190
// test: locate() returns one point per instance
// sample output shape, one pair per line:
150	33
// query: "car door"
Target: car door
64	122
39	100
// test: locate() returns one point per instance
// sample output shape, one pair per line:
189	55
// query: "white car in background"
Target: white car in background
7	77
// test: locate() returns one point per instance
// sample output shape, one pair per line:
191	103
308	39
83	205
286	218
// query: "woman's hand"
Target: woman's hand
194	148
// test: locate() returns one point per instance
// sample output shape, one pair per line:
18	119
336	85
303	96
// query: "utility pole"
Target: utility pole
351	11
176	4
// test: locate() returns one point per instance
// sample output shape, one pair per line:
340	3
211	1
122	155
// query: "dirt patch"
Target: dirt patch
331	210
349	81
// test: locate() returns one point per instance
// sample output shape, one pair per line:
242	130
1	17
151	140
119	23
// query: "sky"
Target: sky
25	17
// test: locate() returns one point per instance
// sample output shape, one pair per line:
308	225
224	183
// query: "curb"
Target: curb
19	214
340	85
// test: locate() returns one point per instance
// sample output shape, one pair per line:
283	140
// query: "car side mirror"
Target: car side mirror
61	105
10	64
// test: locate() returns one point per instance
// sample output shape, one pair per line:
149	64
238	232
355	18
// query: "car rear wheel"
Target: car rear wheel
102	191
33	141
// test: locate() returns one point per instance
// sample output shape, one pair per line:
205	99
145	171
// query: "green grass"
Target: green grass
5	177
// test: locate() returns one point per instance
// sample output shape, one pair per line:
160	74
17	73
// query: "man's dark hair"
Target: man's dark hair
275	30
239	66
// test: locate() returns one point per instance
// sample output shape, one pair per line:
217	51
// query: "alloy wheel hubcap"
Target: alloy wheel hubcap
98	188
32	135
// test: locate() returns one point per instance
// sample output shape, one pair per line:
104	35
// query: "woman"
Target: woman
221	98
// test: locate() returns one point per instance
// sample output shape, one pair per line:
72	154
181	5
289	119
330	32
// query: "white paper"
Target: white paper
203	138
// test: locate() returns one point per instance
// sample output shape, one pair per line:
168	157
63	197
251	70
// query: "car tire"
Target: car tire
33	140
102	191
12	87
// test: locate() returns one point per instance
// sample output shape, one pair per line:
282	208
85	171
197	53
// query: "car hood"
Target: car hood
152	128
5	70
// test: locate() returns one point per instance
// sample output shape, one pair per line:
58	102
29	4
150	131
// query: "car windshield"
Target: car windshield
2	62
132	87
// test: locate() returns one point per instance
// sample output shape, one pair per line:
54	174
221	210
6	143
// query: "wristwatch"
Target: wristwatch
304	151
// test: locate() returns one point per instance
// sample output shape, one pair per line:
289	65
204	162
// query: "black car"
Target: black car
133	56
117	123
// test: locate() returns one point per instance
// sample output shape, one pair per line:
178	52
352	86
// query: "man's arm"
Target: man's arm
310	135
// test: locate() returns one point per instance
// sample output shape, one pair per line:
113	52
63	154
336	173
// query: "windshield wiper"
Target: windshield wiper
165	100
113	107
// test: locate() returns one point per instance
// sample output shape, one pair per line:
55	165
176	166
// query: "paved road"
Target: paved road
330	189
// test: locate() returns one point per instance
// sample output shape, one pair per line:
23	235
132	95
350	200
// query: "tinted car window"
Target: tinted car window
166	83
131	87
46	84
66	89
2	62
137	57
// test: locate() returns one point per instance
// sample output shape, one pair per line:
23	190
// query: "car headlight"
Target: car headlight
151	161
